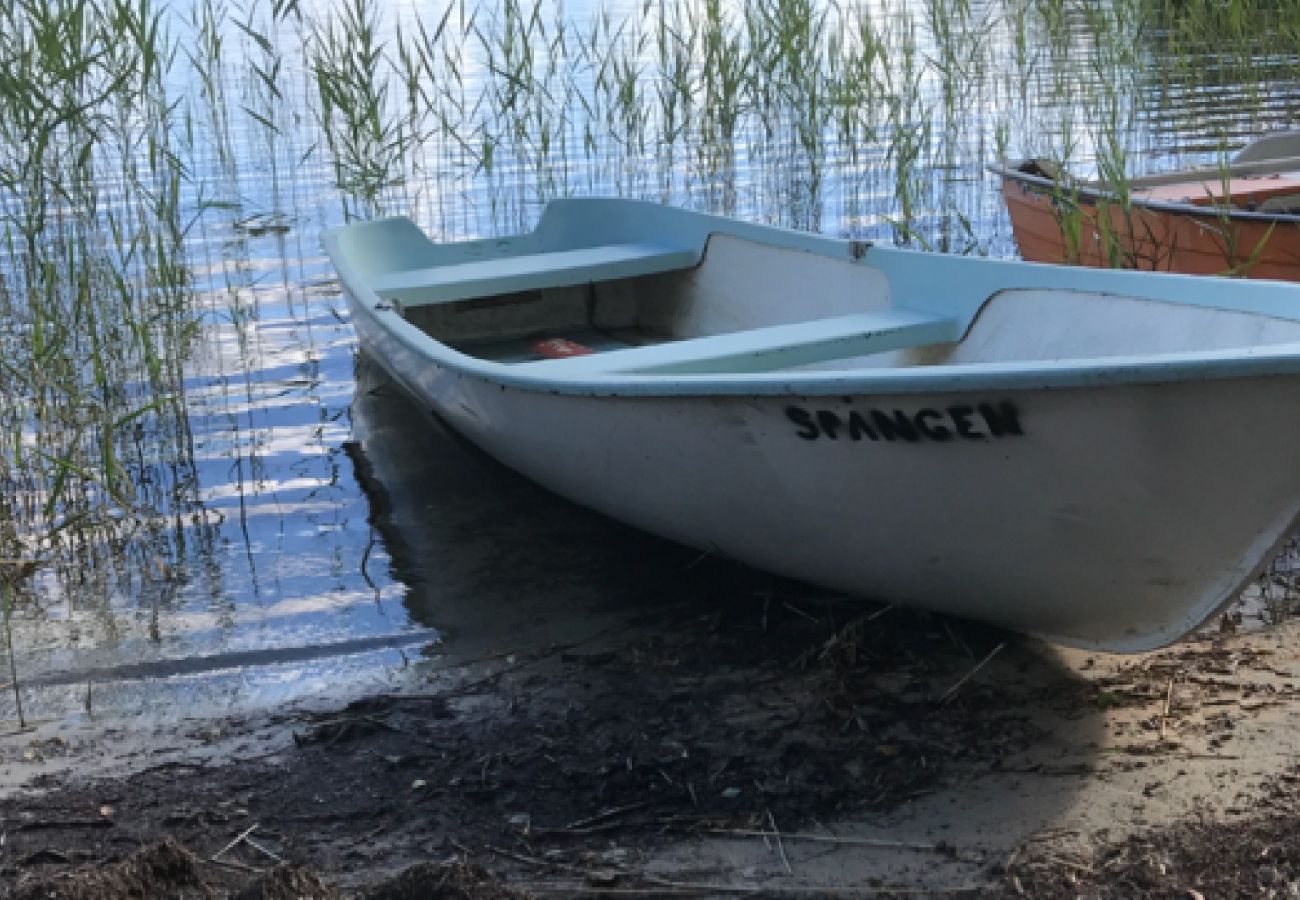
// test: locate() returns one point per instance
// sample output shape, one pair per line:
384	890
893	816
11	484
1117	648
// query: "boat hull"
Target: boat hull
1093	231
1116	517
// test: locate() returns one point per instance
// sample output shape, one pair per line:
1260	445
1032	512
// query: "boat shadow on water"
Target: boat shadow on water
692	695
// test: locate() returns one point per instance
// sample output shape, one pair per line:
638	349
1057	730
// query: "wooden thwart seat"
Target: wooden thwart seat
531	271
769	348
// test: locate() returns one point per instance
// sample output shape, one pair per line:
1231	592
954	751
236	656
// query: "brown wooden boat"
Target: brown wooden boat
1241	219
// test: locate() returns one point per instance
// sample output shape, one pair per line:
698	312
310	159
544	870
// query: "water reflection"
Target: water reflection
269	554
495	562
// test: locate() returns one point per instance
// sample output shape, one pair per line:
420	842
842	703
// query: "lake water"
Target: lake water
317	531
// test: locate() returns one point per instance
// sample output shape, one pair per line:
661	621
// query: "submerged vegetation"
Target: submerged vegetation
141	142
93	306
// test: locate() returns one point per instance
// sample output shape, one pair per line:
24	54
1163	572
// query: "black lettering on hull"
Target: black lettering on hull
977	422
807	429
1003	419
894	425
859	429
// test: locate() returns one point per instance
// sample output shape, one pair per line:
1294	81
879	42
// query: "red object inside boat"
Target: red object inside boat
560	348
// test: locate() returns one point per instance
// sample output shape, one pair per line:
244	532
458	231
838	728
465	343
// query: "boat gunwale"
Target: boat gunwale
1091	195
1261	297
1280	360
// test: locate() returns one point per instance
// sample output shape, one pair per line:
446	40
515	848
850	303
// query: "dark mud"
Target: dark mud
579	759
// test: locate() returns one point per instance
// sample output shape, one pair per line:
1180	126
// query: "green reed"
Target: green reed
264	93
6	617
206	57
909	126
423	71
367	140
673	88
93	315
727	73
667	99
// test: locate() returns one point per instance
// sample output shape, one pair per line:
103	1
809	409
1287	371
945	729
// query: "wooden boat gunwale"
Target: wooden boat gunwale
1091	194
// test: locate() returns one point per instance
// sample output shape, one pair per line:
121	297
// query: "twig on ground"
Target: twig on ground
780	845
590	829
607	814
846	635
878	613
799	612
826	839
952	691
368	836
532	860
237	866
243	835
1164	714
263	850
1062	862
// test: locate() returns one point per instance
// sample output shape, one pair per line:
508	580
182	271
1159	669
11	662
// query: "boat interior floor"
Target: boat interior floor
1276	194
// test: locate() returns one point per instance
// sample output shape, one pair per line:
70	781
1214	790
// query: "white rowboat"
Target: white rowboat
1098	458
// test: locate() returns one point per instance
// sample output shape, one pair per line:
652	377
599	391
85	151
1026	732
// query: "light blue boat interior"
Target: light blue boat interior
651	298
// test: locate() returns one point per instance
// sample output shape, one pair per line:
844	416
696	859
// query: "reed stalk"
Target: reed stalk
7	611
366	139
94	311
